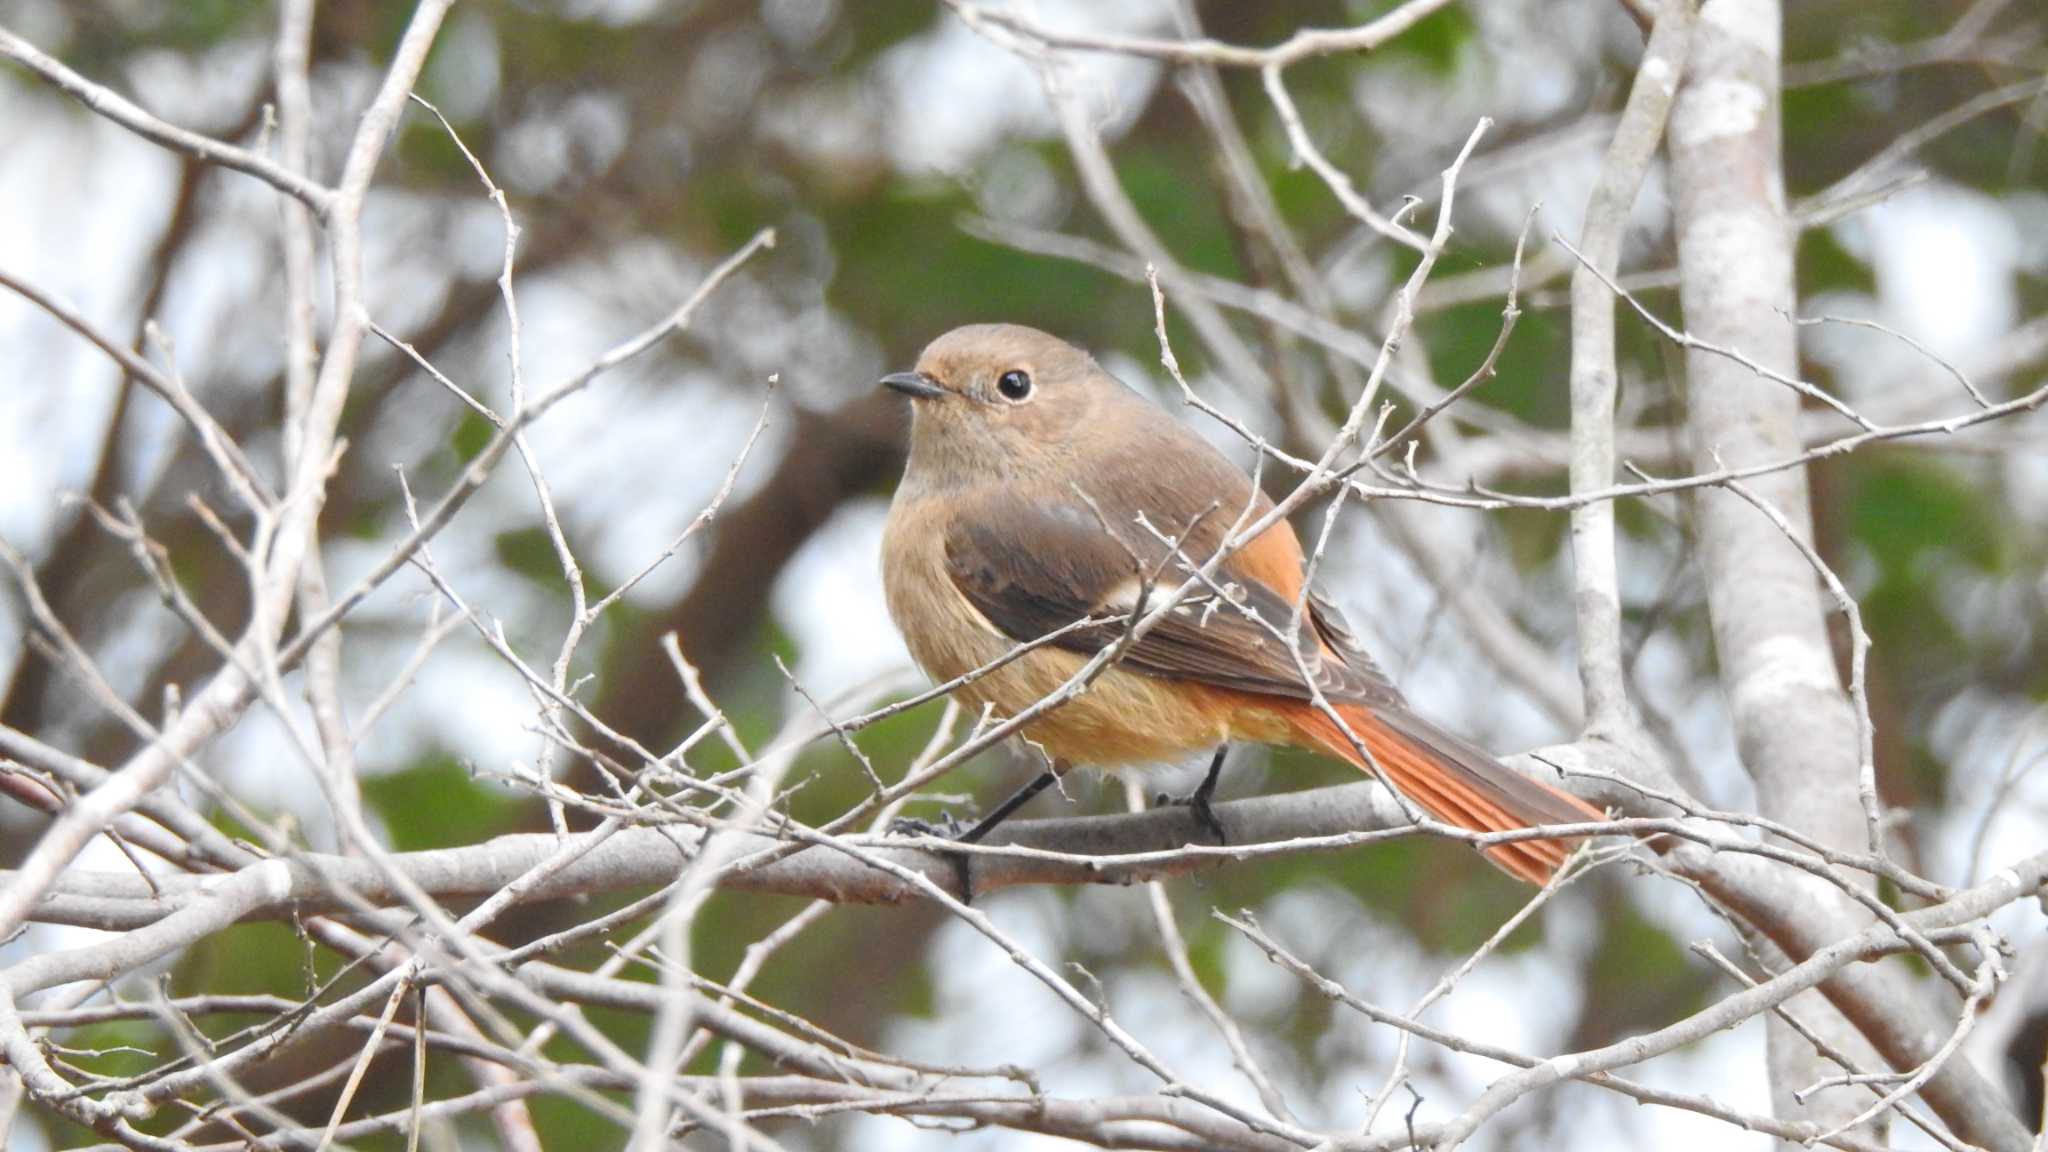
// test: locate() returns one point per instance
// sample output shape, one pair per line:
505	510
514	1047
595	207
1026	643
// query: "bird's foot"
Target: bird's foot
947	828
1198	806
1197	802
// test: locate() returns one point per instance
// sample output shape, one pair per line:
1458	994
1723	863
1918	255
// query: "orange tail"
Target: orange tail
1456	782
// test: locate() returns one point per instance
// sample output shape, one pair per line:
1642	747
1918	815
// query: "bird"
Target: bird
1043	497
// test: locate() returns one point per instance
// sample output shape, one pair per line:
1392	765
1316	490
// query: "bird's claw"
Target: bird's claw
1197	804
945	828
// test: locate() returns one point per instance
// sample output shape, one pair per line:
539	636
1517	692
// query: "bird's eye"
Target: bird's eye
1014	385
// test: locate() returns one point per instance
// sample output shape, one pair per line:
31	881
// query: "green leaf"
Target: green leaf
529	552
1826	266
1534	366
1435	39
435	803
1904	510
470	437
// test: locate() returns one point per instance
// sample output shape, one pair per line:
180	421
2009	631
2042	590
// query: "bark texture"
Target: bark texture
1793	721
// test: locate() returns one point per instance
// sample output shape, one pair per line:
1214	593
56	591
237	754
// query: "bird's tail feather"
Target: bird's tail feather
1456	782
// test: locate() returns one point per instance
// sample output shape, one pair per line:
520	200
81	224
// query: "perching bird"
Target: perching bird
1041	490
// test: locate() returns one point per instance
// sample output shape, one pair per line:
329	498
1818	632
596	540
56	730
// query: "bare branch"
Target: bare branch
1304	44
124	112
1594	376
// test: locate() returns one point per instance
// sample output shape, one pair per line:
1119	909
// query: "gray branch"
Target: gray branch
1793	723
1596	582
1117	849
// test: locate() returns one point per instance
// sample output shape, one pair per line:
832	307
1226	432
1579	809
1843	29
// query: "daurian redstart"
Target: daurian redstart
1041	491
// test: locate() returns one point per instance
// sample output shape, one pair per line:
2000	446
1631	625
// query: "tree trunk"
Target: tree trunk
1793	721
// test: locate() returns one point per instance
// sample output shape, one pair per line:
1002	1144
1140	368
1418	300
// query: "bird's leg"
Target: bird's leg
1018	799
982	827
1198	800
1198	804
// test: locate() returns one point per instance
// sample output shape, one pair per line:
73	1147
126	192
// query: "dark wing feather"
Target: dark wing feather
1374	686
1034	568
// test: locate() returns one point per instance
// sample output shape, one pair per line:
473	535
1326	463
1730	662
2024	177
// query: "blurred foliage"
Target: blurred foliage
436	802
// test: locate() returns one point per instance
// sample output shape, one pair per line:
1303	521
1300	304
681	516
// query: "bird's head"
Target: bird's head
1001	400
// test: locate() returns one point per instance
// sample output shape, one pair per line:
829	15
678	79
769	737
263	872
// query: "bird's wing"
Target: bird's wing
1032	568
1378	689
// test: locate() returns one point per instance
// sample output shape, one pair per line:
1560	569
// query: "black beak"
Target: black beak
915	385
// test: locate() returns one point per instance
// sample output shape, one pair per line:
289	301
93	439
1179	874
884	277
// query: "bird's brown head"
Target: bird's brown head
999	400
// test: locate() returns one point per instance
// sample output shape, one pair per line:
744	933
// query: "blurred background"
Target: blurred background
917	178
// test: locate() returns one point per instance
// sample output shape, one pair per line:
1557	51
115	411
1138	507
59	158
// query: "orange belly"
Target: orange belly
1121	718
